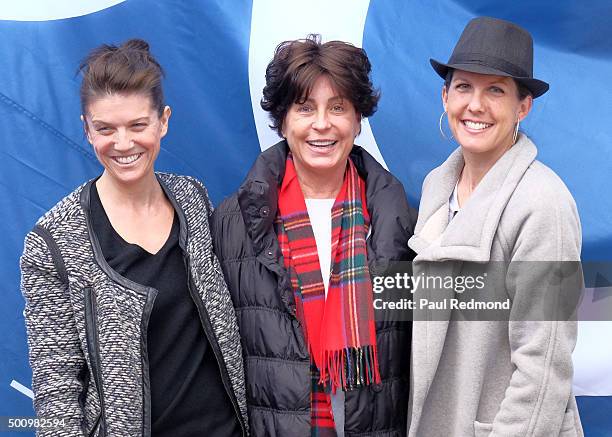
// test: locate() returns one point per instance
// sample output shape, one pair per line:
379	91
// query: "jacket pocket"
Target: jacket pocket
568	427
93	350
482	429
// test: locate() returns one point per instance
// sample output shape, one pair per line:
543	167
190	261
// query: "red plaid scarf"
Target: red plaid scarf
339	330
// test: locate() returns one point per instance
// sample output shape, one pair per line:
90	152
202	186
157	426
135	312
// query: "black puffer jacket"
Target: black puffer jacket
275	351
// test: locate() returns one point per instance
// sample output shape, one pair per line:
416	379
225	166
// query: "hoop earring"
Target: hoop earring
442	130
516	129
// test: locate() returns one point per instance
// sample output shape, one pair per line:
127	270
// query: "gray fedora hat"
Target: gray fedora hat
493	46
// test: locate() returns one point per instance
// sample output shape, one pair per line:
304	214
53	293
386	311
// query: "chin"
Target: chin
475	149
323	166
475	146
127	177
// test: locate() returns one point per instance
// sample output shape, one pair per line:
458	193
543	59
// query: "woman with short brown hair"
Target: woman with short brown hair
297	243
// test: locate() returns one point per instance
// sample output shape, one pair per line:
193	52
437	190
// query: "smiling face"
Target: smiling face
483	110
321	131
125	131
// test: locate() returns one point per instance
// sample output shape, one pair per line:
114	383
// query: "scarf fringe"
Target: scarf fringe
350	368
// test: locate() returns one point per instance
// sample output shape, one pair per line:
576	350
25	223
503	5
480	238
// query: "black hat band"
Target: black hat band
488	61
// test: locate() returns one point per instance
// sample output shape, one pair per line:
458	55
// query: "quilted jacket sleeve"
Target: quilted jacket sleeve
57	361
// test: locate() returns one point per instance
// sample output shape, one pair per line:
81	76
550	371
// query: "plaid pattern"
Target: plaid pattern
321	417
339	330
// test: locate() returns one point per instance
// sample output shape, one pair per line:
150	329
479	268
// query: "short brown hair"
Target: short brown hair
297	65
127	69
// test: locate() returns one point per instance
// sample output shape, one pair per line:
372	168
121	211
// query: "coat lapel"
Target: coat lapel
469	236
433	209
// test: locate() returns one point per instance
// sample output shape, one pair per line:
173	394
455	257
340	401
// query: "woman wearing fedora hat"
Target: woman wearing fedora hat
491	202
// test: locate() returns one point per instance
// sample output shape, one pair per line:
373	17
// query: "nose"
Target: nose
476	103
122	140
321	121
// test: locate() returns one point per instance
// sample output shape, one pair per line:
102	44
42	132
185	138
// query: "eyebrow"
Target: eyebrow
136	120
331	99
494	82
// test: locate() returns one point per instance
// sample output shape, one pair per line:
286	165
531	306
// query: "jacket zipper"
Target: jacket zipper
94	356
204	319
146	382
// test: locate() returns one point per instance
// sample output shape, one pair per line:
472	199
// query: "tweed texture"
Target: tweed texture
62	281
207	274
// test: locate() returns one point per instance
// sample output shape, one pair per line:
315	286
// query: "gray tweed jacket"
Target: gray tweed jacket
87	325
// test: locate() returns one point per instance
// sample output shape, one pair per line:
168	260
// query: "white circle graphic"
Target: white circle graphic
44	10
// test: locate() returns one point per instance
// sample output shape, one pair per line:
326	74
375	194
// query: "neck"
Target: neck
478	164
321	185
137	196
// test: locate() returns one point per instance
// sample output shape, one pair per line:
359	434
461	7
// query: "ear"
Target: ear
525	107
444	97
164	120
359	120
86	129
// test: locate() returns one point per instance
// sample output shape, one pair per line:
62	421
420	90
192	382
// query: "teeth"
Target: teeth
475	125
322	143
127	159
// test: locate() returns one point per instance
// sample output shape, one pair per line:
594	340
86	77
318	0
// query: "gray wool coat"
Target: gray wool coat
495	378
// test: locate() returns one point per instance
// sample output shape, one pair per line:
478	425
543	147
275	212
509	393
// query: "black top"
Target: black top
188	398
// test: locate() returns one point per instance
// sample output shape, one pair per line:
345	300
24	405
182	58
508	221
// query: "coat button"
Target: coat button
264	211
376	388
270	254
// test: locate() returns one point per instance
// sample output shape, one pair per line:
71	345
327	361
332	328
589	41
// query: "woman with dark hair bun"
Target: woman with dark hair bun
297	244
130	324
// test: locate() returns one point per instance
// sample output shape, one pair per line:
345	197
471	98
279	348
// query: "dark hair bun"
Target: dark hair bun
136	44
128	68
